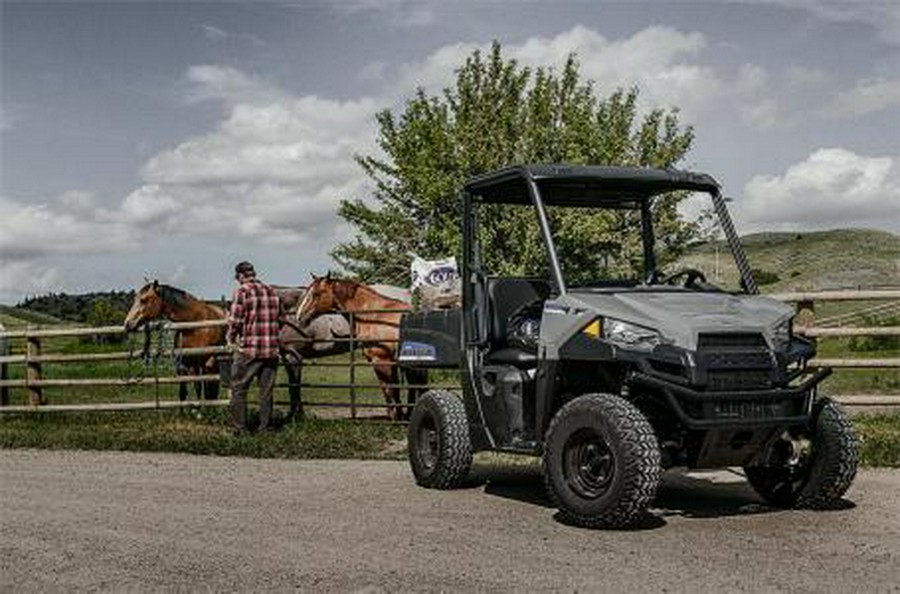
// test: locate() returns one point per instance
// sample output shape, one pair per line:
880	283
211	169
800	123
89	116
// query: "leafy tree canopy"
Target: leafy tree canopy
499	113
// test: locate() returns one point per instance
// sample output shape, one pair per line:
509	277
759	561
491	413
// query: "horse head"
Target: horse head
148	305
318	299
324	295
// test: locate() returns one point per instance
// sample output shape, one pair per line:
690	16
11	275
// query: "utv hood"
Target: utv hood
679	315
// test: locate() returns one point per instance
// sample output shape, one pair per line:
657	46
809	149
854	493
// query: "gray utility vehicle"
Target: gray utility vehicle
615	381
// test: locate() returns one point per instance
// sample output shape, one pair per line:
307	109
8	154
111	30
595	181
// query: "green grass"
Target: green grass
14	318
879	439
206	432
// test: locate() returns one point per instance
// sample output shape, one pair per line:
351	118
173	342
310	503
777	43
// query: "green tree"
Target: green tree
499	113
102	312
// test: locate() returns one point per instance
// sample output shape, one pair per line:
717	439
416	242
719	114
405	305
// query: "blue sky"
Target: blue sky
172	140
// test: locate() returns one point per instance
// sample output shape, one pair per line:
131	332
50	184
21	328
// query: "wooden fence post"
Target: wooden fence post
352	368
806	316
4	369
33	369
4	390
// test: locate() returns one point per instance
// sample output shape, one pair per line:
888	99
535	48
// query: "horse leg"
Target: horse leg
388	377
197	369
417	377
211	389
293	366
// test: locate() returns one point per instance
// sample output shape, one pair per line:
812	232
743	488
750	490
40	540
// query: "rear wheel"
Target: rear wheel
440	452
601	461
809	467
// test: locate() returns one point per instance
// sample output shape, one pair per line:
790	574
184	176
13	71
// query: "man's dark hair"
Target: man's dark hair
245	268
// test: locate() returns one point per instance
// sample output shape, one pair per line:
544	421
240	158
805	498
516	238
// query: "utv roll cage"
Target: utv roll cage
630	188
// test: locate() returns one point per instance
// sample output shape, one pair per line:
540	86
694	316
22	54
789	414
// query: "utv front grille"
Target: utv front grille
734	380
731	340
736	361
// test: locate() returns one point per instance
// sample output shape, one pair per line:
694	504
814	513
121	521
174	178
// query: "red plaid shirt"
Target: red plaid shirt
253	320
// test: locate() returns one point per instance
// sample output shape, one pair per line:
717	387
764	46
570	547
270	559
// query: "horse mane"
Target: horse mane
177	298
359	285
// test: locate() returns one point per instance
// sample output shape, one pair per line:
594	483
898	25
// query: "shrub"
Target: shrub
764	277
876	343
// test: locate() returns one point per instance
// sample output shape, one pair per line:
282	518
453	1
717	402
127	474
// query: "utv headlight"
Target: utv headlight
782	333
630	335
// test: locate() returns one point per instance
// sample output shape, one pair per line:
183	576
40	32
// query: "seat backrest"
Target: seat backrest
506	295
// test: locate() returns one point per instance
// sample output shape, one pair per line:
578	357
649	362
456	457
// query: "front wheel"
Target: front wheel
601	462
810	467
440	452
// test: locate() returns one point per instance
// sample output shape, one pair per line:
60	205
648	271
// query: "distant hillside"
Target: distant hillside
13	317
108	307
814	260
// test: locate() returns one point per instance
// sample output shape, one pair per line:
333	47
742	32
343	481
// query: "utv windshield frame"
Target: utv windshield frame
591	186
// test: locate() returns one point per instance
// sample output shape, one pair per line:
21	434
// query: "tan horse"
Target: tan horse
377	332
154	301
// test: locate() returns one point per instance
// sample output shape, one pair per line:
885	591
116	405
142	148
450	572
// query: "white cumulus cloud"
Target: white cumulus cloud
867	96
833	187
18	278
32	230
663	62
210	82
276	165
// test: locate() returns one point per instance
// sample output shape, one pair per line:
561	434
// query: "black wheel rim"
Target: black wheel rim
786	480
588	464
427	443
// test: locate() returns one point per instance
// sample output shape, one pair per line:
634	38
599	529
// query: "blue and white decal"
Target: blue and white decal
417	351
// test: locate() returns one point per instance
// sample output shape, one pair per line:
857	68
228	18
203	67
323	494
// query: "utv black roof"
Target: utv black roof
586	185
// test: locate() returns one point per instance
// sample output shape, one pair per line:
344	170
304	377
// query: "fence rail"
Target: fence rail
33	358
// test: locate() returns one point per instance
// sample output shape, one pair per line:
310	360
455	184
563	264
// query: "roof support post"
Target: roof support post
535	194
647	239
734	244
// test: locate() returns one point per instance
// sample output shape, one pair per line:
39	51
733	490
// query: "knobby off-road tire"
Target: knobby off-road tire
440	452
601	462
821	481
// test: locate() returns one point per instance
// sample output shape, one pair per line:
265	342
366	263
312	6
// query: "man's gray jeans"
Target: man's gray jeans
243	370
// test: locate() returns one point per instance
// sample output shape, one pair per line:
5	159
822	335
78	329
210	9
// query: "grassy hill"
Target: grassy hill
844	258
15	317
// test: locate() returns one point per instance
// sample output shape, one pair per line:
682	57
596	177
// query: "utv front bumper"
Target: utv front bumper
702	409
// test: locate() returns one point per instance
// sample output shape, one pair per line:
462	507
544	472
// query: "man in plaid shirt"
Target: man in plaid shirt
253	325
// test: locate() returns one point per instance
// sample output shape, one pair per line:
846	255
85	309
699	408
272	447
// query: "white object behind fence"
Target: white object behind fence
436	282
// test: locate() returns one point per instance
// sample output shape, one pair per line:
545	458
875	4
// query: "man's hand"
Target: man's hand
232	345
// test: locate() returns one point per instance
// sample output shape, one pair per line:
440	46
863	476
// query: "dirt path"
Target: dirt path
112	521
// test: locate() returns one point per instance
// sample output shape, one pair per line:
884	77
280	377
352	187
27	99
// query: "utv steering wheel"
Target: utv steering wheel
691	276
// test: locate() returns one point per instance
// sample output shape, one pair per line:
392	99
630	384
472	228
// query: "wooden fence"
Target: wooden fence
805	325
34	358
34	382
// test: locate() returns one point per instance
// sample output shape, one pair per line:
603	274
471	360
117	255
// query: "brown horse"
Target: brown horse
154	301
378	332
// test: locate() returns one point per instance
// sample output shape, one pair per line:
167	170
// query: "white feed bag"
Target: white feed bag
436	282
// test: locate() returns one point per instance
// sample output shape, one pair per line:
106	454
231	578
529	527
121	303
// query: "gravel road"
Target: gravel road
114	521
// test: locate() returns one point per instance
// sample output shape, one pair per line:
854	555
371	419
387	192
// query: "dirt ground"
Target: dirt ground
114	521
